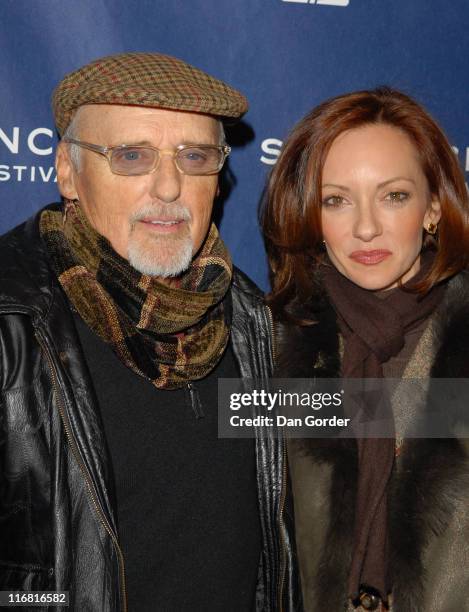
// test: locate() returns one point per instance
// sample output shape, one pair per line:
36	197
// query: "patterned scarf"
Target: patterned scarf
168	333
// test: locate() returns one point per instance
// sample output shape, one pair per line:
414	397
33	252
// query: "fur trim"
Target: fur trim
423	495
315	348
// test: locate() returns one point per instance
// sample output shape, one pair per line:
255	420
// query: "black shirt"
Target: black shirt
186	501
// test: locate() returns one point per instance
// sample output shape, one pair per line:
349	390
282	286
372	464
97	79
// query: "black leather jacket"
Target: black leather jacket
57	522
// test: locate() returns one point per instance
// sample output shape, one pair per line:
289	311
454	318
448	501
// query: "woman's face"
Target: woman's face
375	203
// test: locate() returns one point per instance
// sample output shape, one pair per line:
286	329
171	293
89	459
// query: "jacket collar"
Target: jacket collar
27	284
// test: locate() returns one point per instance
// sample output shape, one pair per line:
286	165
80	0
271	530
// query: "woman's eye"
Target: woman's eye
397	196
333	201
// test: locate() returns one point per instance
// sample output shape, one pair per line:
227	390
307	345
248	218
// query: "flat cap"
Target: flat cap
145	79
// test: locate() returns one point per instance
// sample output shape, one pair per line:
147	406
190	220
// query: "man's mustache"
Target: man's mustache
166	212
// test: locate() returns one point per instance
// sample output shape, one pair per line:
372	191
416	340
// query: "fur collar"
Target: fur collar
432	473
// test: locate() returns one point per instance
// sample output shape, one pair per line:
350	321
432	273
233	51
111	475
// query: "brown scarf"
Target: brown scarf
168	334
374	330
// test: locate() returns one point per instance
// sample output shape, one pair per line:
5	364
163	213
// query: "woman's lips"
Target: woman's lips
370	258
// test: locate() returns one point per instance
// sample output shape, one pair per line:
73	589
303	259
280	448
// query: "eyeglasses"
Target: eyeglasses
135	160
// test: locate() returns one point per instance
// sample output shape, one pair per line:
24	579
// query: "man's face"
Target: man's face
156	221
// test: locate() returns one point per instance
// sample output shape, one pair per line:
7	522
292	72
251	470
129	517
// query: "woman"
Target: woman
366	225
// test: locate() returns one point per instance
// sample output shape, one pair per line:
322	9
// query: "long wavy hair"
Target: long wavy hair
290	213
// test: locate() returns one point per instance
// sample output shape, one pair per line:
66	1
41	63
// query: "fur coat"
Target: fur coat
429	490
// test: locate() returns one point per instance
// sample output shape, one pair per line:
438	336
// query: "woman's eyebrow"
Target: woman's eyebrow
383	184
336	186
396	178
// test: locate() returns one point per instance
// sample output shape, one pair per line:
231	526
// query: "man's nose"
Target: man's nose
367	224
166	180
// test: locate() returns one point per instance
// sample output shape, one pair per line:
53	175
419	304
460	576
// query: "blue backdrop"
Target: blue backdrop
285	55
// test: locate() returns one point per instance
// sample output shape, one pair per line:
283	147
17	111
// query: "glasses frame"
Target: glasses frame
107	152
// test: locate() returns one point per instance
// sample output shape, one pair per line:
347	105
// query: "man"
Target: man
119	311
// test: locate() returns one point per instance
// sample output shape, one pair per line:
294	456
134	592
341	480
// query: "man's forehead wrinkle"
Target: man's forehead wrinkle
124	124
92	119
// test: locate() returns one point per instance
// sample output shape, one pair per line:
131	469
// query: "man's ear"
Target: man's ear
65	173
433	214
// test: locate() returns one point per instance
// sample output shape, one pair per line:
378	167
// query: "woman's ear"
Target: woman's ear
65	172
433	214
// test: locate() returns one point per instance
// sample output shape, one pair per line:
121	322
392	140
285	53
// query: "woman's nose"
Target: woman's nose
367	224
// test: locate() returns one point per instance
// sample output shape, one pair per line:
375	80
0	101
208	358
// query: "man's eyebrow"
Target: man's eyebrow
198	142
139	143
146	143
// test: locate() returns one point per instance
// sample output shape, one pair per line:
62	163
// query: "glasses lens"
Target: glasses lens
133	160
199	160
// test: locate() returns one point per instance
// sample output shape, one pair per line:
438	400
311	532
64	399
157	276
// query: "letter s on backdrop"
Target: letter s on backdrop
272	147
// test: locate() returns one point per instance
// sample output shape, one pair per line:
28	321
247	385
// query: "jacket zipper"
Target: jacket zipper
283	554
272	330
83	468
194	400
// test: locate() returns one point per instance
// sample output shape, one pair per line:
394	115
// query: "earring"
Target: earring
431	228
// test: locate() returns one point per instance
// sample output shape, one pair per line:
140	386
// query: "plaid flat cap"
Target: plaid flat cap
145	79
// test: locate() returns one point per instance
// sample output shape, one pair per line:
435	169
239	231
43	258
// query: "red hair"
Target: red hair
291	210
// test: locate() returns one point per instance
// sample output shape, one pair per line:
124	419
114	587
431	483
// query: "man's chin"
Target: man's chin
164	261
